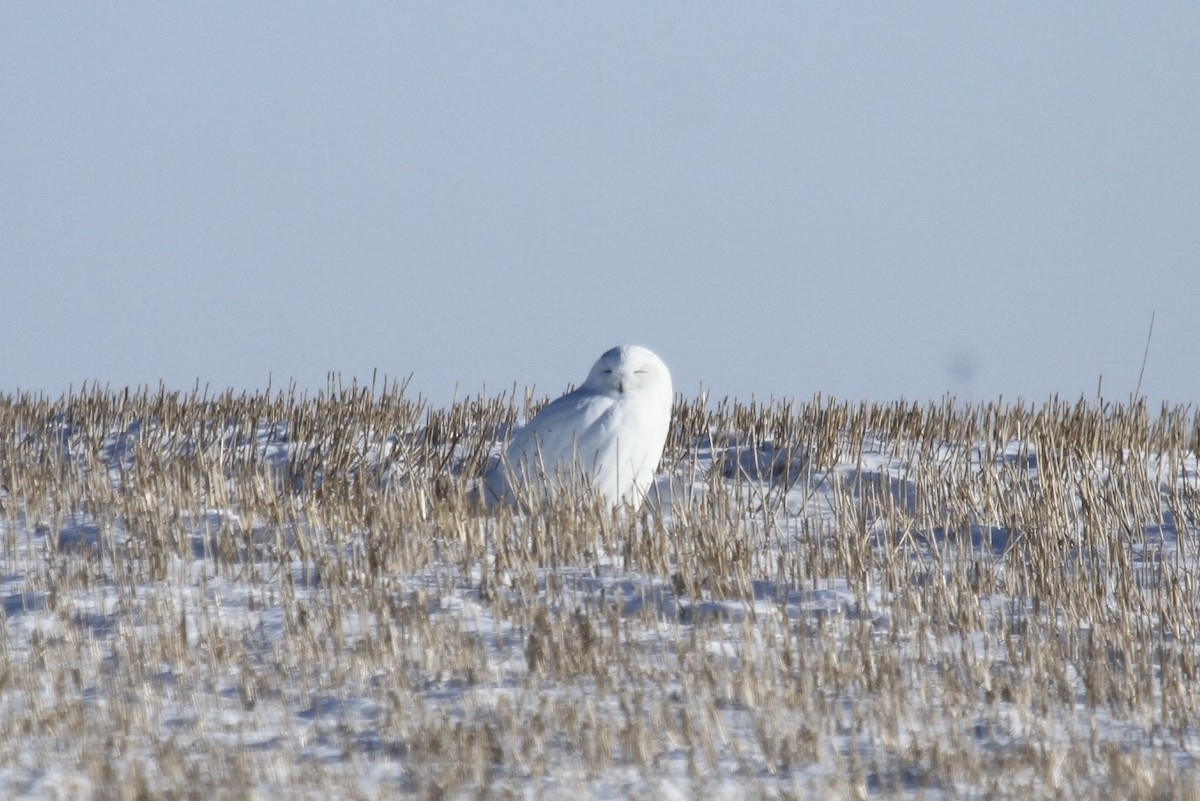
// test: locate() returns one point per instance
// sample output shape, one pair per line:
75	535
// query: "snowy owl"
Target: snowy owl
609	433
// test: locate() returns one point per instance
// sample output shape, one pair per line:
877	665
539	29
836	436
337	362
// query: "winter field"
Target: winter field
285	596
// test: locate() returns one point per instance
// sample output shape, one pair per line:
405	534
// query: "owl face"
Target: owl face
628	369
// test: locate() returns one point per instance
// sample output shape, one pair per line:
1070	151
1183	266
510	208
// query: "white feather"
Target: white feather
607	435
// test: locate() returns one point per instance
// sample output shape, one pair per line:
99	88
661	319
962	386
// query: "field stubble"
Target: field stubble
251	596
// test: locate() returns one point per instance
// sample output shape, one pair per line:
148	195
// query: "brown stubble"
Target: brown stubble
836	599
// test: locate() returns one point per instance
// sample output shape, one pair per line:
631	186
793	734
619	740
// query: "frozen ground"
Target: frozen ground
836	611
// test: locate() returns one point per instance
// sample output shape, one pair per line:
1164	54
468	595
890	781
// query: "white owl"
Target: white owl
606	436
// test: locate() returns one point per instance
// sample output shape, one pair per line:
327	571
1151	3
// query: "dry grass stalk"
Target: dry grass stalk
235	596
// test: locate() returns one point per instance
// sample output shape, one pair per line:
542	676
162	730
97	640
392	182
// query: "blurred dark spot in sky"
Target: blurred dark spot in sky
962	367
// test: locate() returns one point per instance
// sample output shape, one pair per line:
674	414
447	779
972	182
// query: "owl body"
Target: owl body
607	436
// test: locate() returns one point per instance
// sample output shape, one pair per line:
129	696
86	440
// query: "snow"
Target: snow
329	696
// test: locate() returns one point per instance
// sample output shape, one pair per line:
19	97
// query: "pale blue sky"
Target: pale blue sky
865	200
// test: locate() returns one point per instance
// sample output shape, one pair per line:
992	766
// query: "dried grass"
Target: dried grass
248	596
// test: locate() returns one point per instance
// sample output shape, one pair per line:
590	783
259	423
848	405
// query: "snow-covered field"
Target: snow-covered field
287	597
